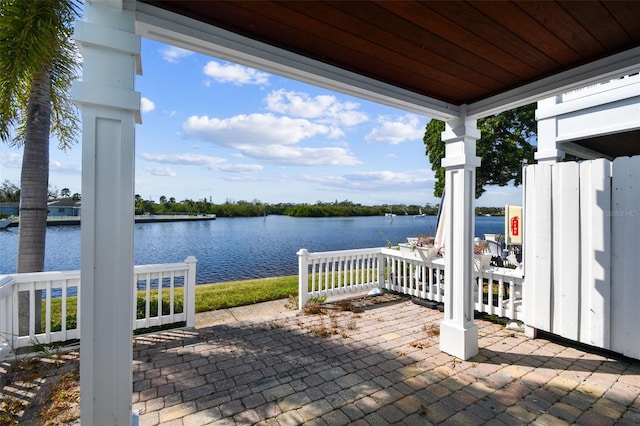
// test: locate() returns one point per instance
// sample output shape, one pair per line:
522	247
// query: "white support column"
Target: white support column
458	332
110	108
547	150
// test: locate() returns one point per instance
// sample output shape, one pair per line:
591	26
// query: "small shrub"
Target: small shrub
322	331
433	331
314	306
10	409
348	305
64	401
292	303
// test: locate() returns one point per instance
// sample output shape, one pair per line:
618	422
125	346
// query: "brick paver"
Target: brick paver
379	366
376	367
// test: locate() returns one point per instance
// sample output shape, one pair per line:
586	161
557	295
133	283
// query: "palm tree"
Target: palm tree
38	62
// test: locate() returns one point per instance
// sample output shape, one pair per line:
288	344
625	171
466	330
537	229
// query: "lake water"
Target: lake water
239	248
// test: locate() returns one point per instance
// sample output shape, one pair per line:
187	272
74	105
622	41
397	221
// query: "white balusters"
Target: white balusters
61	292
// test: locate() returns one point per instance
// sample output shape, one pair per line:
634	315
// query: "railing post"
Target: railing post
190	291
7	334
303	277
381	265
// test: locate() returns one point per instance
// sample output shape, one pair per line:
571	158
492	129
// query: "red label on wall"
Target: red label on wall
515	231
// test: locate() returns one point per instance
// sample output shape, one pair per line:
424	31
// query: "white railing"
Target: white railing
332	273
325	274
505	287
162	294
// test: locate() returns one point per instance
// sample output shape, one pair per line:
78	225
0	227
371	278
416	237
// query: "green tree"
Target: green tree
9	193
505	142
65	193
38	62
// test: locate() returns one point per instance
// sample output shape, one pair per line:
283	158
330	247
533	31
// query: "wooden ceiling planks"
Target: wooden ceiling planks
458	52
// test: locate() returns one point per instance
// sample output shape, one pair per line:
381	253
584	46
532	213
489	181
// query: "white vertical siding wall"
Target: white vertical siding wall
582	232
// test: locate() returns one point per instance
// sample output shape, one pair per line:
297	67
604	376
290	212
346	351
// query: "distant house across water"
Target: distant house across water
66	207
10	208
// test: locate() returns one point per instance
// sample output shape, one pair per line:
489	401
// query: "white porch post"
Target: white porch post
547	151
458	332
110	107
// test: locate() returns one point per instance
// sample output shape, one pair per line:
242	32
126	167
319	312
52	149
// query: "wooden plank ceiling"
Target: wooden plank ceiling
454	51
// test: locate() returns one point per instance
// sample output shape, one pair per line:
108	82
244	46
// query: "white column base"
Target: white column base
458	341
530	332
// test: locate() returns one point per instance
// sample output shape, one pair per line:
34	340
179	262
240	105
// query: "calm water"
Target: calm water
239	248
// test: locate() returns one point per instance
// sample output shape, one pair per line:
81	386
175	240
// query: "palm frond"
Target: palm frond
36	34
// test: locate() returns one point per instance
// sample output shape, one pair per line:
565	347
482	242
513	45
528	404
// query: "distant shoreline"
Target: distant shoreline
53	221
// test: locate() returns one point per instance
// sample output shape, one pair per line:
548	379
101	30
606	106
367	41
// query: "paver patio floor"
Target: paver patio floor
379	365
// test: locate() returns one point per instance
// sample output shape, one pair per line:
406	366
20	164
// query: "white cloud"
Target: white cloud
58	167
253	129
174	54
383	180
236	74
301	156
11	160
269	138
146	105
324	108
161	171
211	163
406	128
386	178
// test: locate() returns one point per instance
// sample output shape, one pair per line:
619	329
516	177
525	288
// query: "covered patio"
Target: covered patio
452	61
370	361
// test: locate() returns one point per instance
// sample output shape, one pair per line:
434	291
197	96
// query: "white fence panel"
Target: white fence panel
565	249
595	252
537	246
625	261
582	230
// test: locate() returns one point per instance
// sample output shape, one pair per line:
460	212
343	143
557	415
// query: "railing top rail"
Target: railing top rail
342	253
6	283
75	274
45	276
160	267
5	280
506	272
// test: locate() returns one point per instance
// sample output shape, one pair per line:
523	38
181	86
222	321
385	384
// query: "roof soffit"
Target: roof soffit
593	53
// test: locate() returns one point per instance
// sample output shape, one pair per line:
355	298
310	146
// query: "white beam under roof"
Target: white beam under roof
603	70
177	30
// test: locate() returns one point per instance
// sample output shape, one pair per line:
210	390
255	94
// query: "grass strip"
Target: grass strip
210	297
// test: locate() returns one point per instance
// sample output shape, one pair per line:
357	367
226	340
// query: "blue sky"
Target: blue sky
212	129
